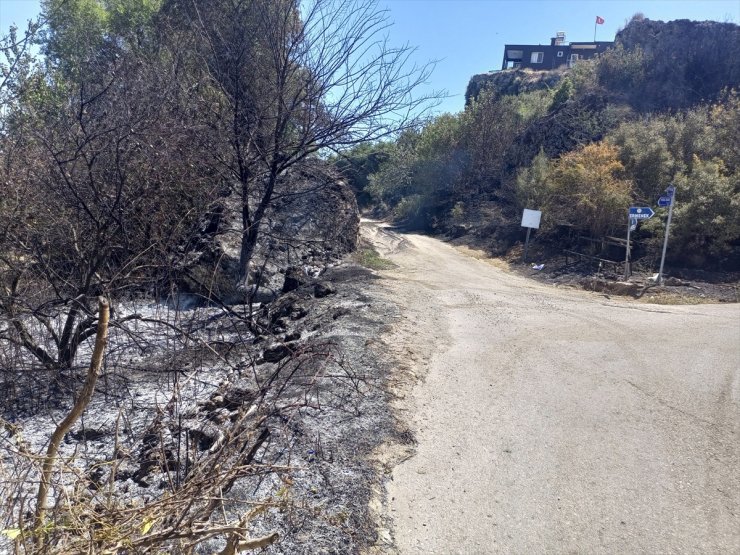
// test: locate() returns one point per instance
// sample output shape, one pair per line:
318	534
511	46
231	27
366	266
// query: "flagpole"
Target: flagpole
595	23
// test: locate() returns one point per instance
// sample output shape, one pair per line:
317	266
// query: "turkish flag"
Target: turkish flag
599	20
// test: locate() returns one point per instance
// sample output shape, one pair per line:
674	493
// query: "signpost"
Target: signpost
530	220
671	194
634	214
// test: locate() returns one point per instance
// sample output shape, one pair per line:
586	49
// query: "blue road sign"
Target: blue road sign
641	212
664	201
670	190
633	224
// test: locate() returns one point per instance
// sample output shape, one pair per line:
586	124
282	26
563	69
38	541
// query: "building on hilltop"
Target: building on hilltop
557	54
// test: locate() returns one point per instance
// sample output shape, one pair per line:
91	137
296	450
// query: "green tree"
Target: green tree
423	174
76	39
491	125
358	163
588	189
646	155
393	180
562	95
707	213
532	183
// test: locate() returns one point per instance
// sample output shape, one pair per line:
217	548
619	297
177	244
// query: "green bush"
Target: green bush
706	214
410	211
458	211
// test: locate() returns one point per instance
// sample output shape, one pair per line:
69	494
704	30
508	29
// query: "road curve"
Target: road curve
559	421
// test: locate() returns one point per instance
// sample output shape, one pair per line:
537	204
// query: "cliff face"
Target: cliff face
512	81
685	61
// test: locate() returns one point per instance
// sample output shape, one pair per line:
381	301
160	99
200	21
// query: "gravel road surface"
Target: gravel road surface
559	421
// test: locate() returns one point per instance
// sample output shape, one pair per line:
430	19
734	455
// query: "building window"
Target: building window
560	53
573	59
537	57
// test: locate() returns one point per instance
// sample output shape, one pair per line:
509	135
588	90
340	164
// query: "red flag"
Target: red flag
599	20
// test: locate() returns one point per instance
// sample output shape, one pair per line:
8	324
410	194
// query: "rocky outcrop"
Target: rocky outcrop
682	63
685	62
512	82
312	222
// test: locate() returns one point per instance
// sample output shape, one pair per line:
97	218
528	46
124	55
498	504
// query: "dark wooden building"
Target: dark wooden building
557	54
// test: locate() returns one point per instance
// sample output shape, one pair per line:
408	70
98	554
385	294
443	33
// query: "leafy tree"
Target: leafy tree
646	155
491	124
562	95
707	213
532	183
442	160
81	33
76	39
357	164
588	189
396	180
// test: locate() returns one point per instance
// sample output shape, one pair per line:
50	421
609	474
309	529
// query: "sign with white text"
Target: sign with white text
641	212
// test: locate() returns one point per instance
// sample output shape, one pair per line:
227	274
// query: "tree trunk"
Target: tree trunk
64	426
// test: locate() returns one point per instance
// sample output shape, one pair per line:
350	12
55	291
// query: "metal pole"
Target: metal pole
526	244
627	269
665	241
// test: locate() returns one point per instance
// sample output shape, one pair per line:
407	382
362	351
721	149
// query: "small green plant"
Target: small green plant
562	95
370	258
458	211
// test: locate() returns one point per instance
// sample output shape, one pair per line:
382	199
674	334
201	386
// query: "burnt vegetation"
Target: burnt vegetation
169	360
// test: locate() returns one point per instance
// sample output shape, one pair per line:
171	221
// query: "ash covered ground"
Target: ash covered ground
155	412
284	401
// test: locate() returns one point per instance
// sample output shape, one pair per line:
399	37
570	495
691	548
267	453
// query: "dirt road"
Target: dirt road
559	421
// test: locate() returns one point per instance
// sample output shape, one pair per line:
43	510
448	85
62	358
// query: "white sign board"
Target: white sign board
531	218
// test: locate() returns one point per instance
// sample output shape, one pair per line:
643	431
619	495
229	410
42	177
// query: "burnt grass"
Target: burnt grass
681	286
318	474
330	445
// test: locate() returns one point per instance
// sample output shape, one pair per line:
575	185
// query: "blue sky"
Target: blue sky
468	36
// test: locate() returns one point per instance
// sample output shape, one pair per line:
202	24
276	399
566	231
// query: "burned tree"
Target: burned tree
286	81
99	195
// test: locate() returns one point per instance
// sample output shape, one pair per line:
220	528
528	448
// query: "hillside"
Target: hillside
682	63
511	82
582	145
